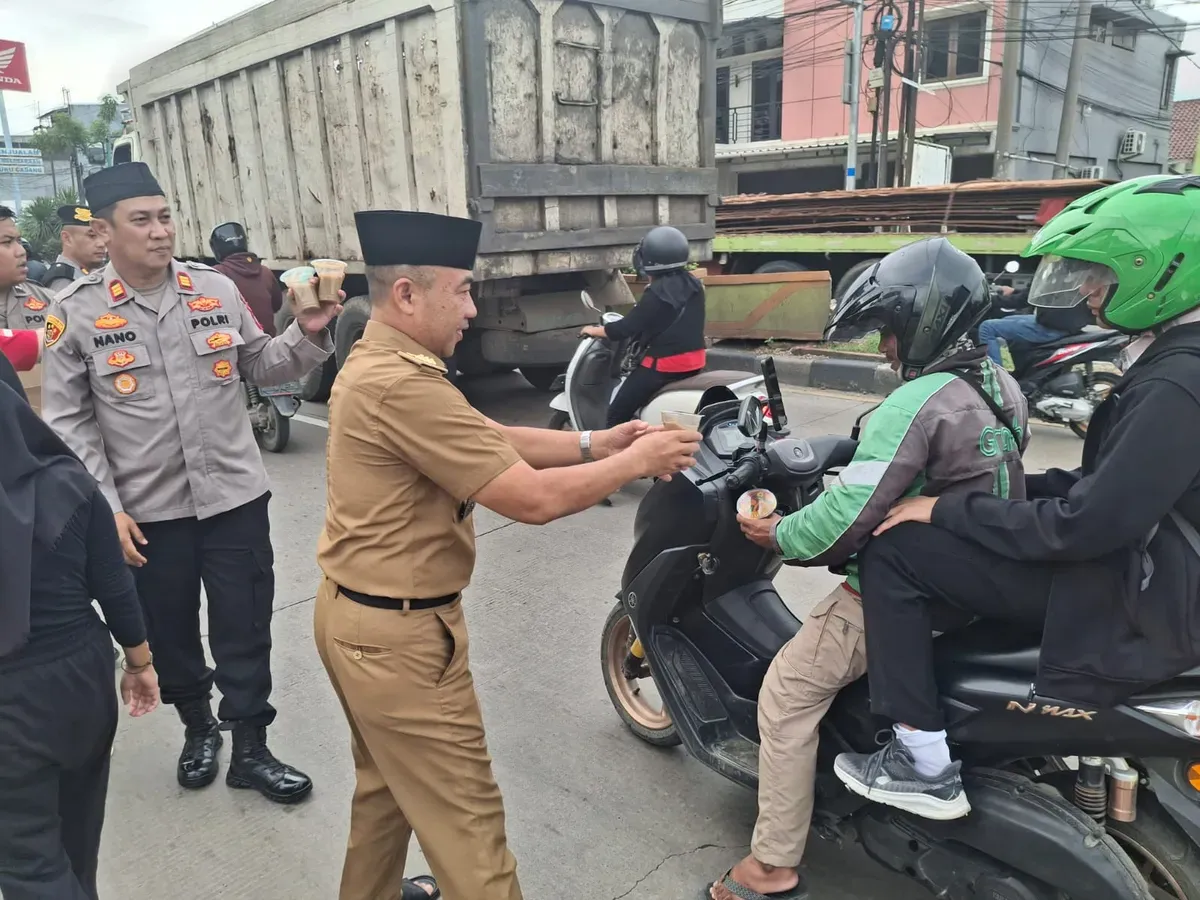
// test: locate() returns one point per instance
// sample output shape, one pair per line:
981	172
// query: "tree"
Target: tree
105	127
66	137
40	225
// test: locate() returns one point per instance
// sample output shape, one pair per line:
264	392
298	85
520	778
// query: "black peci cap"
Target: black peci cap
112	185
75	215
399	238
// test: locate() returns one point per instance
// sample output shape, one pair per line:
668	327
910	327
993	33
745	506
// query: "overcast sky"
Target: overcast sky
95	42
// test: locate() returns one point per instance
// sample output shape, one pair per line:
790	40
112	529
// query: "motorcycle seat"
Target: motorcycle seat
991	645
1084	337
704	380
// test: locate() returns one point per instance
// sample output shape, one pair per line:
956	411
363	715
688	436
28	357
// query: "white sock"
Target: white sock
931	753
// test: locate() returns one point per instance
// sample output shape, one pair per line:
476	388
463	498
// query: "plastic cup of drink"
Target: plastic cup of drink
680	421
758	503
299	280
332	273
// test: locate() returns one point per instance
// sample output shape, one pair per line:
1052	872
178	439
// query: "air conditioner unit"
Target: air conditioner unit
1133	143
1092	172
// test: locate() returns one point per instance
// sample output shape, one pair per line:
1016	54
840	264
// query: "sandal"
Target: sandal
412	890
740	891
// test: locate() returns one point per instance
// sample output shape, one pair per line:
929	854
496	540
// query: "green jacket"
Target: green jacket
932	435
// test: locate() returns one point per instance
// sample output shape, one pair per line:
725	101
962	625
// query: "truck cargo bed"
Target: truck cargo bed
567	128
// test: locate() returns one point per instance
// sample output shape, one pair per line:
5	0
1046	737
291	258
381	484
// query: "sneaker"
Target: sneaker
889	776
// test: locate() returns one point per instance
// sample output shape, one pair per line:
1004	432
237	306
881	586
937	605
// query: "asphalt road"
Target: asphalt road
593	814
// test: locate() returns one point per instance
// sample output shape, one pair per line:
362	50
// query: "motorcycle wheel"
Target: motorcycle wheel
1100	384
274	438
650	723
559	421
1165	856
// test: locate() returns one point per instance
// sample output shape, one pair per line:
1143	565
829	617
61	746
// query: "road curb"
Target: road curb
854	375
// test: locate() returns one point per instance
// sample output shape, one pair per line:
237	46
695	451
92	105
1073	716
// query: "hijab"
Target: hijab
42	486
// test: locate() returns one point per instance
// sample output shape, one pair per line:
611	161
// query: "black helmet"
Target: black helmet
928	294
663	249
227	240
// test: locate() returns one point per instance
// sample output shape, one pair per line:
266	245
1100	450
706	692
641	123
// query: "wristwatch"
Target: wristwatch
585	446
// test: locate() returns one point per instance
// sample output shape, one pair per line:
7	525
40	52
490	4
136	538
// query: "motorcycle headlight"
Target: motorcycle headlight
1183	715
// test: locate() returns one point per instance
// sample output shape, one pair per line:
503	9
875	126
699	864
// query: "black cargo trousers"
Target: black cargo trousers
229	554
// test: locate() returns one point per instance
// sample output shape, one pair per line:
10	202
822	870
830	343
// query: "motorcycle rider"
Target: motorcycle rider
1043	327
1103	562
936	432
258	284
668	320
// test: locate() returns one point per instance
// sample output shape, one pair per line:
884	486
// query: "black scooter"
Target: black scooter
1066	802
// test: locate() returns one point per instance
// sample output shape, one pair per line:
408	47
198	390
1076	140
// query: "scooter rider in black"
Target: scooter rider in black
668	323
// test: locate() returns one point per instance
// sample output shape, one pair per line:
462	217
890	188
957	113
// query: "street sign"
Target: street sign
14	67
28	169
23	152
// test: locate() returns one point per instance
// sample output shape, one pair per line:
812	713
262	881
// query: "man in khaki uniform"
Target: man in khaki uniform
408	459
143	368
82	248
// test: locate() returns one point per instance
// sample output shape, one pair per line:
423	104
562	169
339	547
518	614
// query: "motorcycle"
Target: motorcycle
1059	379
598	369
1066	802
270	408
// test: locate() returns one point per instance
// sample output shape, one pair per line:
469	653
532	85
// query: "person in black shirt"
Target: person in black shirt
58	711
668	322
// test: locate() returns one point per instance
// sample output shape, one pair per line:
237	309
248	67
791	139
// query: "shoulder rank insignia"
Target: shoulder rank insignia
199	266
117	291
185	282
422	360
54	329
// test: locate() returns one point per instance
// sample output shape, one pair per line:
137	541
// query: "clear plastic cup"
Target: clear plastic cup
680	421
332	273
299	280
758	503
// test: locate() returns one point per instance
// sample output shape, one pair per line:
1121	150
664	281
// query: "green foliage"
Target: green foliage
40	225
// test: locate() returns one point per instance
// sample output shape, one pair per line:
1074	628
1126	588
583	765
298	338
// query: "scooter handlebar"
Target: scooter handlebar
747	472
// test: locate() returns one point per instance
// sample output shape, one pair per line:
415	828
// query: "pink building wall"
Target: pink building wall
813	74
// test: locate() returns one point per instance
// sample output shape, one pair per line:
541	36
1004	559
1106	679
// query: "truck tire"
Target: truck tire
779	266
350	324
541	377
852	273
316	385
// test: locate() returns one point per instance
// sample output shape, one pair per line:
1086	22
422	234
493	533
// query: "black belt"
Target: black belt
394	603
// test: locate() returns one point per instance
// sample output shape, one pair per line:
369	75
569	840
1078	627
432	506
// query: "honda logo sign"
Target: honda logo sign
14	67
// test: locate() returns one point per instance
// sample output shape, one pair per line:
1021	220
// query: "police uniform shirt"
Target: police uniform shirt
25	306
147	392
406	453
56	282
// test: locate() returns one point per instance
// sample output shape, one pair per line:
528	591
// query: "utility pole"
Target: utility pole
854	84
887	29
907	95
1010	81
914	76
1070	107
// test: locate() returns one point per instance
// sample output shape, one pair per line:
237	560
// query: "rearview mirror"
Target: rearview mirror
587	301
750	417
1012	267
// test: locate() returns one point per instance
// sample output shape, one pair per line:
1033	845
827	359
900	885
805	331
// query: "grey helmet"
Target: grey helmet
663	249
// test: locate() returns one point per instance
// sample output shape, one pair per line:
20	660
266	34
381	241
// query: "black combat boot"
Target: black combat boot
198	762
252	765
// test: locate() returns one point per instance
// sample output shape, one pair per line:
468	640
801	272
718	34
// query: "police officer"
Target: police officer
143	364
408	459
23	303
82	248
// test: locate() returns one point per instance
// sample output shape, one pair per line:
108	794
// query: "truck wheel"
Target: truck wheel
542	377
779	266
316	385
851	275
350	324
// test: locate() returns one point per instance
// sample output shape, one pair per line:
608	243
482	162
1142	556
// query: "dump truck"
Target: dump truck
568	129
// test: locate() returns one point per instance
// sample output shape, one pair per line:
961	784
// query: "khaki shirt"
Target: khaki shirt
406	454
25	306
152	401
58	284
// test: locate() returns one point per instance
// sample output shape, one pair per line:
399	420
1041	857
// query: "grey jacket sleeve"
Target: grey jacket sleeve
67	404
269	361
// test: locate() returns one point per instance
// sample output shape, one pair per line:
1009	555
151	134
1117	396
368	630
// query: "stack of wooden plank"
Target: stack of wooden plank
979	206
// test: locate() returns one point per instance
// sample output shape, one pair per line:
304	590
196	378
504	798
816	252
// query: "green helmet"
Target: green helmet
1132	249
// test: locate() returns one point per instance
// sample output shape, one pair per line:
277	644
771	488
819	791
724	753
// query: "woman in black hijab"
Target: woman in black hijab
58	709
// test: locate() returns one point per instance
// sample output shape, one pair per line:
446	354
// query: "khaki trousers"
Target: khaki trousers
420	758
826	655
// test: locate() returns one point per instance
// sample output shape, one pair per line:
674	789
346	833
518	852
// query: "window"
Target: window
1125	38
1104	29
1170	69
954	47
766	98
723	105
